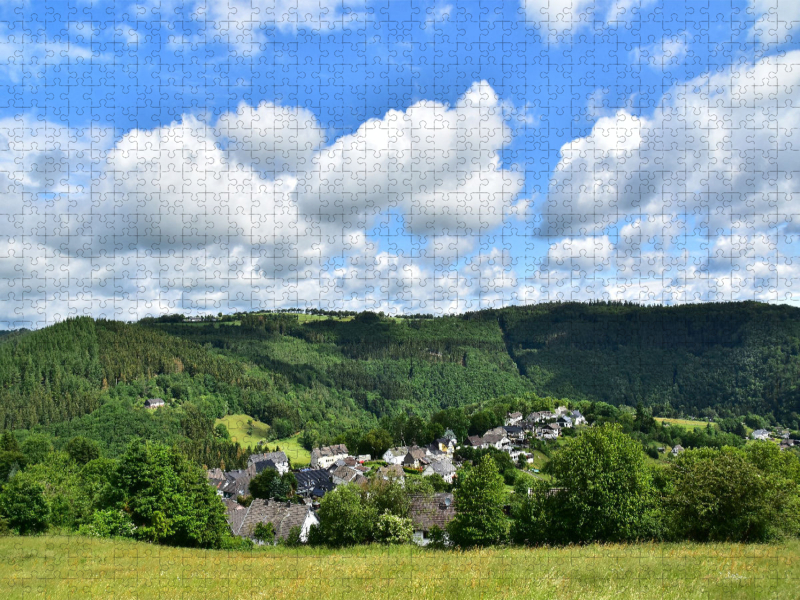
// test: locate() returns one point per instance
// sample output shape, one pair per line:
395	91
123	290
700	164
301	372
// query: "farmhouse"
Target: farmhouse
416	458
278	459
345	474
282	515
760	434
677	449
513	418
324	457
427	511
392	472
578	418
395	456
154	403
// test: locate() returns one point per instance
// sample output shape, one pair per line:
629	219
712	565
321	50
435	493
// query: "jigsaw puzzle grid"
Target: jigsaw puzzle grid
207	156
204	157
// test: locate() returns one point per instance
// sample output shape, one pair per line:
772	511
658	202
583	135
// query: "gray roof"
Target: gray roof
334	450
283	515
443	467
275	457
399	450
427	511
312	478
492	438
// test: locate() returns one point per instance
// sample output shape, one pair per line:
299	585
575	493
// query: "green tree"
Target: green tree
270	484
386	495
82	450
479	499
607	490
344	520
168	498
376	442
8	442
24	507
37	448
719	495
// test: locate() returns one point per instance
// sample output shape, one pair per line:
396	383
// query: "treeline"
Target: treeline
601	489
712	359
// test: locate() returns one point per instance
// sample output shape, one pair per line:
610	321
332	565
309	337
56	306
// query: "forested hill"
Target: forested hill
331	373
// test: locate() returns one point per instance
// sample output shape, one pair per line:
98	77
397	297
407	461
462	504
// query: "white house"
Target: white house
395	456
495	440
324	457
429	511
561	411
513	418
760	434
578	418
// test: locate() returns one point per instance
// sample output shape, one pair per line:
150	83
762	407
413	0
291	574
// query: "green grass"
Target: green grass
685	423
240	431
299	456
61	568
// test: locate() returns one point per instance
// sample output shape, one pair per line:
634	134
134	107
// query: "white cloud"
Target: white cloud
777	21
254	209
669	53
561	19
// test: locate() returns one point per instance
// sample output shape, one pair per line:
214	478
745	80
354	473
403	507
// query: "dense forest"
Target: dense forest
332	374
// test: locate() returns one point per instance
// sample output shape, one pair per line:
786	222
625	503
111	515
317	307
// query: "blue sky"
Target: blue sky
182	156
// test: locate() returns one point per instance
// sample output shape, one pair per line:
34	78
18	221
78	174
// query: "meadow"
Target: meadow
76	567
686	423
239	429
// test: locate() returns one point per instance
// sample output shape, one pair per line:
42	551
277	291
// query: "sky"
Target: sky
198	156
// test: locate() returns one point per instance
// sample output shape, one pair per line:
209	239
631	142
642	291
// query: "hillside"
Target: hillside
69	567
330	375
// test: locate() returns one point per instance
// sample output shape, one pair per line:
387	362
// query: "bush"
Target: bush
344	520
294	539
438	538
479	500
24	507
391	529
83	450
264	532
109	523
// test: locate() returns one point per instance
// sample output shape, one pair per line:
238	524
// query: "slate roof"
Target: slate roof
427	511
443	467
474	440
235	513
283	515
276	457
310	479
399	451
334	450
265	464
395	471
515	415
513	429
492	438
153	402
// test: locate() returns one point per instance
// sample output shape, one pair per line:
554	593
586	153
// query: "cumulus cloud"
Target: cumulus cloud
559	20
695	198
255	209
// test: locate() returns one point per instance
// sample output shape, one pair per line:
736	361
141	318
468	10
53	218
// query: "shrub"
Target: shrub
391	529
264	532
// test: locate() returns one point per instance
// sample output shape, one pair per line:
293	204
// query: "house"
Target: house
443	467
345	474
278	459
578	418
495	440
392	472
515	433
443	446
362	458
395	456
153	403
427	511
416	458
562	411
760	434
324	457
282	515
513	418
313	483
474	441
677	449
230	484
564	421
541	416
449	435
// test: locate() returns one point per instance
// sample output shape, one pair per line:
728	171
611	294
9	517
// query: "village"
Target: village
332	466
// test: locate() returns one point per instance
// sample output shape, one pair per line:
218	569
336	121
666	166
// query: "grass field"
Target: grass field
239	430
61	568
685	423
